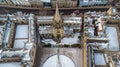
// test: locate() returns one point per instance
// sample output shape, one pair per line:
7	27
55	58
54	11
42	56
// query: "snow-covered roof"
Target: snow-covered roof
46	0
1	34
98	38
11	64
3	19
45	29
68	30
47	41
72	20
15	53
26	56
45	18
30	43
0	54
1	51
65	19
103	45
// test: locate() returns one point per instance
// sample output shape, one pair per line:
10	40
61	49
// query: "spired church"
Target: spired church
57	27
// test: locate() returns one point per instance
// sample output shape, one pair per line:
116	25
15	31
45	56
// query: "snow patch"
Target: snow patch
20	43
22	31
70	40
21	36
99	59
113	38
47	41
65	40
64	61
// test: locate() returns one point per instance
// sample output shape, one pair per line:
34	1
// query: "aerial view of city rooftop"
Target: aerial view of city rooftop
59	33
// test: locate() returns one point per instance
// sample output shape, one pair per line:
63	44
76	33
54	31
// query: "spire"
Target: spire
57	25
57	16
57	10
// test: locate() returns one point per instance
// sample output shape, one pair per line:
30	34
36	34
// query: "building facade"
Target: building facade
58	26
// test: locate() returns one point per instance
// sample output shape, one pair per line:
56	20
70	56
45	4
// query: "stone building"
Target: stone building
11	52
58	26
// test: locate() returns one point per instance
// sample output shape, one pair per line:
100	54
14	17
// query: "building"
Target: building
11	51
64	3
58	26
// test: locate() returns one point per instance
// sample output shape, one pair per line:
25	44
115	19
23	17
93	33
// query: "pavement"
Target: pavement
75	54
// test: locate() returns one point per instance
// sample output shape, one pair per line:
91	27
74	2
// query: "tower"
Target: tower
57	25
